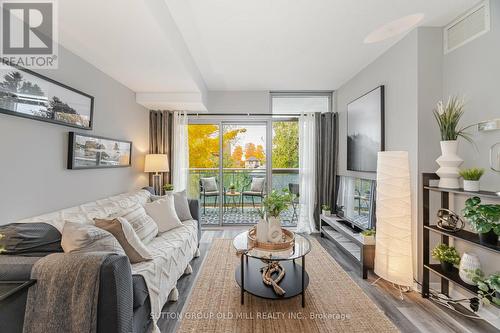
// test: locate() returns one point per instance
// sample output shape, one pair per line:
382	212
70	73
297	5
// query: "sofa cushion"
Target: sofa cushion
181	204
162	211
144	226
30	239
78	237
126	236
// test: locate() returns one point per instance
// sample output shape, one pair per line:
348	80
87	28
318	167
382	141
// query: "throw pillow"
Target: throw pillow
257	184
209	184
126	236
181	204
163	213
143	225
30	239
77	237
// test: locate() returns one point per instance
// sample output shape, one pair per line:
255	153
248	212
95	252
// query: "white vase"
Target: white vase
471	185
449	162
261	232
468	262
274	232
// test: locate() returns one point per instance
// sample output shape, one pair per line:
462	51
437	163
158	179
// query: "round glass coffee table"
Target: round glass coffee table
249	275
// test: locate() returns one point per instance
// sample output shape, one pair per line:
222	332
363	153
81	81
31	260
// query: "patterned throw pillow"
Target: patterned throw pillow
126	236
144	226
77	237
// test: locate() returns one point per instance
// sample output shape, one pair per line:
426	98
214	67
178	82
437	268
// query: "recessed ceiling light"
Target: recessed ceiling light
394	28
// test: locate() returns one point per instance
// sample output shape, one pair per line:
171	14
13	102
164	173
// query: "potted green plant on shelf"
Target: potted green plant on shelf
471	178
447	255
488	287
448	118
168	188
325	210
232	188
274	204
484	218
368	236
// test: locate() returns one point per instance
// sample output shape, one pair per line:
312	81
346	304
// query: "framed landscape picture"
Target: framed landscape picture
91	152
365	131
27	94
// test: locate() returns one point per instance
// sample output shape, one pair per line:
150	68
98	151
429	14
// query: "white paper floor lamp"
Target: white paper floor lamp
393	241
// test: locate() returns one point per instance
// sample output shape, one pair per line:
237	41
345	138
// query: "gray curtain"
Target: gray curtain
326	162
160	139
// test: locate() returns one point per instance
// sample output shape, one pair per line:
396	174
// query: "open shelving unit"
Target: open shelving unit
464	235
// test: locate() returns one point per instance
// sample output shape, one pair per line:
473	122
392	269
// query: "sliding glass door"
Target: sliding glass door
244	171
234	164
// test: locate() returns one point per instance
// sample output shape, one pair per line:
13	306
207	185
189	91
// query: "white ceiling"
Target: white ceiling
199	45
293	45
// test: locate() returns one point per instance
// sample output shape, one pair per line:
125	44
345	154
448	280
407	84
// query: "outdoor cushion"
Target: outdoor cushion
257	184
209	184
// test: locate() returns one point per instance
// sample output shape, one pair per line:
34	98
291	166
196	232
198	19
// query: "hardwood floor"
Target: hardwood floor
413	314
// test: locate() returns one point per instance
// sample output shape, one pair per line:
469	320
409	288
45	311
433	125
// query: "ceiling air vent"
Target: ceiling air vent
467	27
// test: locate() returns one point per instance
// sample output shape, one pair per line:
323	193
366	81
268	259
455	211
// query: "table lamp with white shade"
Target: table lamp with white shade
157	163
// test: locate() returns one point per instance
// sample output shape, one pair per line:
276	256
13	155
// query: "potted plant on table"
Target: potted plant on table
325	210
168	188
448	117
275	203
484	218
471	178
232	188
368	236
447	255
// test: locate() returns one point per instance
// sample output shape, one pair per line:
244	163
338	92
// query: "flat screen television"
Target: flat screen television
365	131
356	201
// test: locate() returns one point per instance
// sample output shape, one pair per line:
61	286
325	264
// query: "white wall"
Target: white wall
473	71
397	70
33	174
238	102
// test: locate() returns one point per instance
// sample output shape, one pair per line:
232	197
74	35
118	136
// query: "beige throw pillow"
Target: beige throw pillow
77	237
163	213
143	225
126	236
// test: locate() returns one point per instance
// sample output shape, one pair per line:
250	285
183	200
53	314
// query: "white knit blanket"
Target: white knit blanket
172	251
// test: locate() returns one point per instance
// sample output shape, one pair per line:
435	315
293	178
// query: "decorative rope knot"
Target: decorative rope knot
267	272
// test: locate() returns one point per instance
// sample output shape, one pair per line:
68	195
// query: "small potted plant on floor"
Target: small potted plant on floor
368	236
168	188
232	188
471	178
488	287
484	218
325	210
447	255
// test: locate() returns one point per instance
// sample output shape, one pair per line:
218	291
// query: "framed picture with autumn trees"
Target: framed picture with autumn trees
27	94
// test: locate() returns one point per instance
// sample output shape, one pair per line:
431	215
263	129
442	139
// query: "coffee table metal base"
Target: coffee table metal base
249	279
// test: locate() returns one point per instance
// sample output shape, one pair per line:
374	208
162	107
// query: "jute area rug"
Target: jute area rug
334	302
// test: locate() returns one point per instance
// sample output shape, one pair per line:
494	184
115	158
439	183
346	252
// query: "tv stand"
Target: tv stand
350	241
349	225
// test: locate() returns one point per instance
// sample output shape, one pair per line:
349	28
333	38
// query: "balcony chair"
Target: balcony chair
257	189
208	188
294	190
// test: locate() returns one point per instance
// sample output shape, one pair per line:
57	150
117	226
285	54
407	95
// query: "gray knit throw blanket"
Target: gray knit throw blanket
64	298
